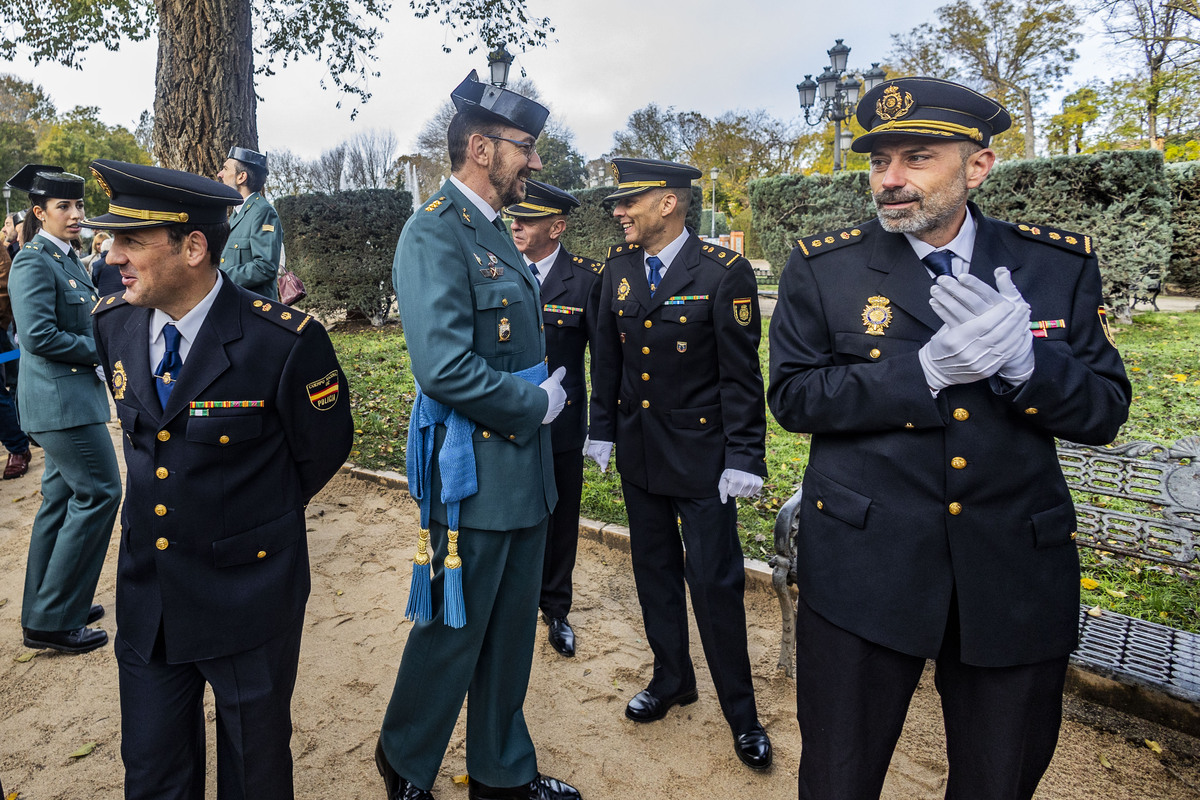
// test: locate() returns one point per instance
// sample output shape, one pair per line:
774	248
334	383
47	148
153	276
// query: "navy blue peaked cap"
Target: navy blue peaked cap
542	200
48	181
146	197
637	175
507	107
928	108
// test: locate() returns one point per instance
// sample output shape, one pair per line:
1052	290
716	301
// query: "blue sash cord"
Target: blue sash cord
456	467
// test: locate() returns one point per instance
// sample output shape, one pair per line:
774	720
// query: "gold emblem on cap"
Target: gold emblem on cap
877	315
623	289
103	183
616	173
893	105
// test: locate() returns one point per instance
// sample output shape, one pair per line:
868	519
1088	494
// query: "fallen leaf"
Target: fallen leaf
26	657
1104	762
3	602
1154	746
12	796
461	780
1089	583
1116	593
86	750
1095	611
340	593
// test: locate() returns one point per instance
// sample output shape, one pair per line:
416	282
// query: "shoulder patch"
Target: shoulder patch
269	228
824	242
727	258
436	204
1075	242
588	264
109	301
283	316
623	249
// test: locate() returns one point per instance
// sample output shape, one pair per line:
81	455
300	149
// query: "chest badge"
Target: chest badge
504	330
493	269
877	315
623	289
119	381
72	283
681	347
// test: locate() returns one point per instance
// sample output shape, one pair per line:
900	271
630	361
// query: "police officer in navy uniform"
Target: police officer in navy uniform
570	304
234	413
676	385
251	256
934	355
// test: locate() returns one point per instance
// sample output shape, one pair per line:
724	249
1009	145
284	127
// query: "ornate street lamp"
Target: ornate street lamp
834	95
712	228
499	61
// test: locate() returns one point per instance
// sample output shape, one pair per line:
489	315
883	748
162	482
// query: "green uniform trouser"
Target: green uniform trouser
490	657
81	492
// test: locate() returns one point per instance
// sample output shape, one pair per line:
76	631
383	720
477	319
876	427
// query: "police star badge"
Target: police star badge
742	312
119	381
877	315
323	393
623	289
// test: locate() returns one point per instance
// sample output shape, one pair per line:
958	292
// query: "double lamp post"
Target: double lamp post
838	92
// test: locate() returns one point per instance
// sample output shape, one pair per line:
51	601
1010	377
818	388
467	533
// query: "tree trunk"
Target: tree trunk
204	100
1027	112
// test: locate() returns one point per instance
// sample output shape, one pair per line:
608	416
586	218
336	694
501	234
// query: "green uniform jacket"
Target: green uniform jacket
251	256
52	298
472	317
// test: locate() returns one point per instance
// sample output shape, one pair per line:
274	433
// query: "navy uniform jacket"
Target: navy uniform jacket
251	256
910	497
51	299
471	319
675	379
213	538
570	305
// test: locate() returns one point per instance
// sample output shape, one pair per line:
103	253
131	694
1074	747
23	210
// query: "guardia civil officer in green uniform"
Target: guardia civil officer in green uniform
480	463
234	413
935	354
64	405
677	386
251	256
570	287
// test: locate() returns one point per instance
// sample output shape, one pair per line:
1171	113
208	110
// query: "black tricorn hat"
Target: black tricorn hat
48	181
251	157
542	200
637	175
146	197
928	108
508	107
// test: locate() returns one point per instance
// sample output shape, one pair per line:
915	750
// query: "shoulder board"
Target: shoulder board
109	301
33	246
720	254
281	315
1075	242
815	245
436	204
623	249
588	264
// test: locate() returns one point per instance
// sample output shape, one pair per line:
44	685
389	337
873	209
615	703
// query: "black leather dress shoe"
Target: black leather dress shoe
754	748
82	640
562	638
540	788
645	707
94	613
397	788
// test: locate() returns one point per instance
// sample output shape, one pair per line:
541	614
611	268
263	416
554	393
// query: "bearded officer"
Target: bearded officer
235	413
934	355
676	385
570	287
251	256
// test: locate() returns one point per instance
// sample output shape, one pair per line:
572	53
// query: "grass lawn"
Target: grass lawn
1162	356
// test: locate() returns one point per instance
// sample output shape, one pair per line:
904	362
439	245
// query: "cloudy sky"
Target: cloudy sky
610	58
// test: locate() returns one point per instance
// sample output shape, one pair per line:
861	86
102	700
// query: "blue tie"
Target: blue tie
655	265
533	268
939	262
168	369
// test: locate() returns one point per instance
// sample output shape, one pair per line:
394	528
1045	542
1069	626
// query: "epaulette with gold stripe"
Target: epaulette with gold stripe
1075	242
720	254
588	264
282	315
623	249
815	245
436	204
109	301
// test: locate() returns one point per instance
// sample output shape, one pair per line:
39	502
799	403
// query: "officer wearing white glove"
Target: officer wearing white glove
735	483
555	393
599	452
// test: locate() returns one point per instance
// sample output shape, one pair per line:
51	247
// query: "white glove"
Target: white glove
735	483
555	394
1017	369
599	452
959	299
974	350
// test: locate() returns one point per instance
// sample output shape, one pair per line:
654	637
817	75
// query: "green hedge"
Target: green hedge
1121	198
1185	220
341	245
591	228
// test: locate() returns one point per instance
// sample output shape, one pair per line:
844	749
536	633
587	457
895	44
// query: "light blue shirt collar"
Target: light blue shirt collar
962	246
483	206
668	253
188	325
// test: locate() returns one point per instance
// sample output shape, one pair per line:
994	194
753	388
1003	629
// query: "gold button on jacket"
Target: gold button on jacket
160	510
161	543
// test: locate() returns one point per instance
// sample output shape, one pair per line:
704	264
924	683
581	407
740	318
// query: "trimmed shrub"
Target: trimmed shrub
1184	179
341	245
591	228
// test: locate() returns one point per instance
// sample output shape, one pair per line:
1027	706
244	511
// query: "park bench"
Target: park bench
1137	500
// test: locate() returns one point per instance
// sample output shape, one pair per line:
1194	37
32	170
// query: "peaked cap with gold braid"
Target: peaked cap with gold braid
928	108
